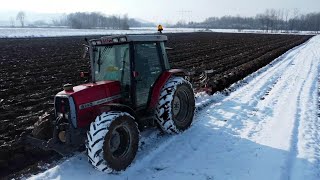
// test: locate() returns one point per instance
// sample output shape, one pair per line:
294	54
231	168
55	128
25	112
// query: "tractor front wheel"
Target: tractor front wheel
113	141
176	105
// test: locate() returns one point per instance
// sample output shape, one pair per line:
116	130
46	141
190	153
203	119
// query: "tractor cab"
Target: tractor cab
136	61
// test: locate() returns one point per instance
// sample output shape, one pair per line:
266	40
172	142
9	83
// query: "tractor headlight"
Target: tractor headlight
60	115
115	40
123	39
63	115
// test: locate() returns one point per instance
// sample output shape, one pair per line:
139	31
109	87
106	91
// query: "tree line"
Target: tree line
271	20
83	20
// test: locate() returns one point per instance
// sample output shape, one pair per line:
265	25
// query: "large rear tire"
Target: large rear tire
176	105
113	141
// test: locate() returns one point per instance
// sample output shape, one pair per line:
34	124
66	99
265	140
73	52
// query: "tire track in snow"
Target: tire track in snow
255	92
262	83
278	90
268	71
317	123
250	81
293	150
309	130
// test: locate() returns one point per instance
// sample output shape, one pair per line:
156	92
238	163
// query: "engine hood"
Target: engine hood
88	98
84	88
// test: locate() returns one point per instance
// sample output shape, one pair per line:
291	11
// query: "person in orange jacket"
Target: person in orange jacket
160	28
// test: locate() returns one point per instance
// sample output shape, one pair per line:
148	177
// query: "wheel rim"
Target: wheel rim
119	142
176	105
181	106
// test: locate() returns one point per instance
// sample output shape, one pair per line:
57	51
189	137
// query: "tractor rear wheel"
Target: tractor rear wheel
176	105
113	141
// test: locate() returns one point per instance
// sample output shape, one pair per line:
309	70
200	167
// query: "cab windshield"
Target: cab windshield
112	63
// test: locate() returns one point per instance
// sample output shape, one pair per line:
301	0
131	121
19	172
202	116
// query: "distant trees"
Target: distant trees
271	20
40	23
308	22
135	23
228	22
81	20
21	18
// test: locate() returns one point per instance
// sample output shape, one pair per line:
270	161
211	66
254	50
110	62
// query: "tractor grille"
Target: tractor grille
62	108
65	110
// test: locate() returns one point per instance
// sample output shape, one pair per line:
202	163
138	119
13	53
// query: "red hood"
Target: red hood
85	94
82	88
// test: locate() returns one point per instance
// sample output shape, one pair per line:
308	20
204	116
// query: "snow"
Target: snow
258	31
263	127
58	32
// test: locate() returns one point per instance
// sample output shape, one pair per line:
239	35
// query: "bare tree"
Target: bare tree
21	18
273	19
286	14
125	21
294	22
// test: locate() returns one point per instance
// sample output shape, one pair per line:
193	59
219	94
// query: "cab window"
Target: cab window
148	66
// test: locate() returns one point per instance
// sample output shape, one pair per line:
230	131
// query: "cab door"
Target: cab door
148	67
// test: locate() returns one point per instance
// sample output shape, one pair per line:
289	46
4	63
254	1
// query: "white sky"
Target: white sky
160	10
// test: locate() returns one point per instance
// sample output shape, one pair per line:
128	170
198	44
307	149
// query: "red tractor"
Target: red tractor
132	88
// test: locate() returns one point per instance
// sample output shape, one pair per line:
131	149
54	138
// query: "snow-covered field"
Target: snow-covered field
257	31
266	128
55	32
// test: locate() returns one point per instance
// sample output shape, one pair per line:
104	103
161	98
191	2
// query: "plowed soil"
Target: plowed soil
33	70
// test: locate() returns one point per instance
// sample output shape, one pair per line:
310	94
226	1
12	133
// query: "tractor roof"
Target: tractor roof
140	37
128	38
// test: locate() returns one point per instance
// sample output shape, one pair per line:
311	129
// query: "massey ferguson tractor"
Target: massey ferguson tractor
132	87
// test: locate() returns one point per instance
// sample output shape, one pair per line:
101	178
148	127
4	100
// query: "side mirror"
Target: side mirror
86	50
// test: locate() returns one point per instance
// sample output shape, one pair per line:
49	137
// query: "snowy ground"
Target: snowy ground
266	128
55	32
257	31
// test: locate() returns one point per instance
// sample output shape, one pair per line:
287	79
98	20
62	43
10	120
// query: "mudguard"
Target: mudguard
118	107
156	89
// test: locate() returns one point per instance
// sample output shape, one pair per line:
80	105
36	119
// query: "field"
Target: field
33	70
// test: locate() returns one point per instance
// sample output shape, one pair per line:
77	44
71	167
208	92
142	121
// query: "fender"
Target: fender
118	107
162	80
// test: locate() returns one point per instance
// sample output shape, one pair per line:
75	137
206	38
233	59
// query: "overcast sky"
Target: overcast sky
159	10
